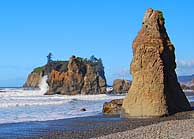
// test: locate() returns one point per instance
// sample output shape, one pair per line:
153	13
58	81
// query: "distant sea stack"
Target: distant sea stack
76	76
121	86
155	90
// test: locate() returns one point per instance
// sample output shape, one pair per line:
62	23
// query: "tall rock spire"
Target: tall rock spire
155	90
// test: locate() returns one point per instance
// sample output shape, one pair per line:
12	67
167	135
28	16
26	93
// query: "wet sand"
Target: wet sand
81	128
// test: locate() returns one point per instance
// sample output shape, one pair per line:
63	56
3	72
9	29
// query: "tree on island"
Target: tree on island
93	58
49	58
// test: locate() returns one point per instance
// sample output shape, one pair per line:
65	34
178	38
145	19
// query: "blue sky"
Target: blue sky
30	29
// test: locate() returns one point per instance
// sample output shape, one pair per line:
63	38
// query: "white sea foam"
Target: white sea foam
40	108
190	98
18	105
43	85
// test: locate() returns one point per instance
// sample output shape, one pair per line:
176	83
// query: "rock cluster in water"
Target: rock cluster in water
76	76
121	86
155	90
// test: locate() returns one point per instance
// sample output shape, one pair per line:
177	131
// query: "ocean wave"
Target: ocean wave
18	105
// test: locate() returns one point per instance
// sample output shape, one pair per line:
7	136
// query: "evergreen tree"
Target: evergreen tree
49	58
93	58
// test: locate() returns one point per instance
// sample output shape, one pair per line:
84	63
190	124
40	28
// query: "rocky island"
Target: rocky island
76	76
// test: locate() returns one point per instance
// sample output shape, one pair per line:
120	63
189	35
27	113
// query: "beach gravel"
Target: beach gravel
178	126
174	129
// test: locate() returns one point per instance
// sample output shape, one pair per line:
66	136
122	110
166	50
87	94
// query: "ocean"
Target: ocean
19	105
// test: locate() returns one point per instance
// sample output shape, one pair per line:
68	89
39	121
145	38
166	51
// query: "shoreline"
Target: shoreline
82	127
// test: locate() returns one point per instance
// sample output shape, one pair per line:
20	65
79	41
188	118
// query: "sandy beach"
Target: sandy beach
179	126
100	126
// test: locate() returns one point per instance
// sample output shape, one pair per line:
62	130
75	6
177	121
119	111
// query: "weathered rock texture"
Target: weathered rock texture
36	75
76	76
33	80
121	86
155	90
113	107
81	77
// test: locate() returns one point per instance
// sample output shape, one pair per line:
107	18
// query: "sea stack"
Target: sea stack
155	90
73	77
82	76
121	86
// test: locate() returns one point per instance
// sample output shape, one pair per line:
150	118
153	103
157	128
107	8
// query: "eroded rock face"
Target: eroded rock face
33	81
81	77
155	90
121	86
36	75
113	107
